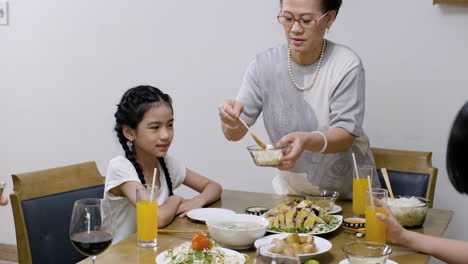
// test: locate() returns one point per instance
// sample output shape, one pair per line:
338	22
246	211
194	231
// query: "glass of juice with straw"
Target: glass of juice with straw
147	215
376	230
360	186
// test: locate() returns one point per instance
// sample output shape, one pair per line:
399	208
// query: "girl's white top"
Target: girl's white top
121	170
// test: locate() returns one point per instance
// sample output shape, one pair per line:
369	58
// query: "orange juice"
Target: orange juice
147	220
360	185
376	230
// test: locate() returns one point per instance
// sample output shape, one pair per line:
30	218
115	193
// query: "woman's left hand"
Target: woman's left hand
189	204
296	141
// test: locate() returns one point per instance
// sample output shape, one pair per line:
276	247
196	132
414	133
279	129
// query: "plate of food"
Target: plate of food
301	216
335	209
202	214
306	245
200	250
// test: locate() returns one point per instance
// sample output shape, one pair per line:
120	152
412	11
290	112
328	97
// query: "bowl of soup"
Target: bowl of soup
237	231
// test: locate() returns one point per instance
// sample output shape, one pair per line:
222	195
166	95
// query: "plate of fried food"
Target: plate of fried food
307	246
301	216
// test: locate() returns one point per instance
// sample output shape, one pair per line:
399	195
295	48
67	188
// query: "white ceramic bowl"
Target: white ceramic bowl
237	231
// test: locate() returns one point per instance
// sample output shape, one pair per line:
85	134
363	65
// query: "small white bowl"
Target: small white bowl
244	230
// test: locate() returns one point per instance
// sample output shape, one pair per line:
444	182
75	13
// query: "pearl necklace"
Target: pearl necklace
291	75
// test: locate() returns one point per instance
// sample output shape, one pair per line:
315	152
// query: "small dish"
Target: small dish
256	210
335	209
354	222
202	214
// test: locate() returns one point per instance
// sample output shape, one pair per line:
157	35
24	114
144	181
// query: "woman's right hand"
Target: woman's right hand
229	112
395	232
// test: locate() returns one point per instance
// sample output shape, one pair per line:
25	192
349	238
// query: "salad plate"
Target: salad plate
228	256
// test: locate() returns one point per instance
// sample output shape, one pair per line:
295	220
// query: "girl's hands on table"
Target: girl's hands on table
189	204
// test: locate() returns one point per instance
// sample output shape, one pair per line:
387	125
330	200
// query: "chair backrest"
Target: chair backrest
42	204
410	172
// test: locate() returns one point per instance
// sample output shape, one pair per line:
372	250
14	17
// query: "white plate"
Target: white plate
202	214
340	218
335	209
161	257
389	261
322	244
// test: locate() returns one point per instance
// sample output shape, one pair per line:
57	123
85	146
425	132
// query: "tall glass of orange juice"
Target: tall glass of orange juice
360	186
376	230
147	215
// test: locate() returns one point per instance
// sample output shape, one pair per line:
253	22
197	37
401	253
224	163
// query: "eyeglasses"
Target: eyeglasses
288	20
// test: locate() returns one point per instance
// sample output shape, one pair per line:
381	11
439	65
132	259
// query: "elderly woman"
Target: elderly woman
311	93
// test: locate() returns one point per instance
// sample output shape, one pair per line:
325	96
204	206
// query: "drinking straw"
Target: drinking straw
355	165
152	185
370	191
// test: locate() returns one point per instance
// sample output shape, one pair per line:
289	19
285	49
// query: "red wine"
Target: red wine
92	243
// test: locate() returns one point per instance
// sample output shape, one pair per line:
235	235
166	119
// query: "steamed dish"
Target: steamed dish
409	211
266	157
300	217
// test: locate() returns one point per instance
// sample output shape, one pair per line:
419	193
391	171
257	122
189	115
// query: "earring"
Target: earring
130	144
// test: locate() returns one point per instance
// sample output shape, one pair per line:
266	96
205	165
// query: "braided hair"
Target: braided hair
130	111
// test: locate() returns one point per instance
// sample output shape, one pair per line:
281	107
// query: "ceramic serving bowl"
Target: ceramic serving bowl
237	231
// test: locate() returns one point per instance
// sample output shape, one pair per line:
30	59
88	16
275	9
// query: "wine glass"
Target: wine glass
91	226
264	256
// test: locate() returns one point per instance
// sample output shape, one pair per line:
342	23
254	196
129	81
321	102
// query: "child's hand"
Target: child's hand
189	204
395	232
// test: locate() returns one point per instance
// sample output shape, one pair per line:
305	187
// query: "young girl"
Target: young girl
144	126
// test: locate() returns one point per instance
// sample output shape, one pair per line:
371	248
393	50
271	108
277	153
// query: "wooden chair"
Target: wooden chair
410	172
42	204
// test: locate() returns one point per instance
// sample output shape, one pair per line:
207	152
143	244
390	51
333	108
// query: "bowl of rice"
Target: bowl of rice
409	211
266	157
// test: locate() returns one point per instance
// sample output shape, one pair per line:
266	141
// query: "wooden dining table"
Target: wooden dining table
127	251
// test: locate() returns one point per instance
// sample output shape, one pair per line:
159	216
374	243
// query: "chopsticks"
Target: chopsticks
358	230
164	231
387	182
257	139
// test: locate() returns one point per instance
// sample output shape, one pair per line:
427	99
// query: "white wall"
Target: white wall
65	64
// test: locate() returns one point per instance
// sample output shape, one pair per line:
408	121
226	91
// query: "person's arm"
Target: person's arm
209	190
337	140
166	211
448	250
3	200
